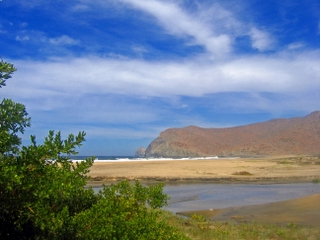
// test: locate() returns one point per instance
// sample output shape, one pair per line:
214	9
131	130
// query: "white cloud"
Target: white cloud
42	40
22	39
212	25
61	79
63	40
295	46
181	23
101	96
261	40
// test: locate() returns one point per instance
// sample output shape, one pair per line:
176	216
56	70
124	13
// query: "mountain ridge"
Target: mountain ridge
281	136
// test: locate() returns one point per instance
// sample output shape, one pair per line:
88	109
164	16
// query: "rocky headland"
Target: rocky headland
140	152
294	136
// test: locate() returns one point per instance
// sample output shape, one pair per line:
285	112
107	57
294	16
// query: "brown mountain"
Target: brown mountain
275	137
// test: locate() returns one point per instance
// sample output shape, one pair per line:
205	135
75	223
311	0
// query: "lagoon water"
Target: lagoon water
185	197
203	196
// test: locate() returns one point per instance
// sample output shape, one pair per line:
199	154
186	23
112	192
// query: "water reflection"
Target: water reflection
201	196
206	196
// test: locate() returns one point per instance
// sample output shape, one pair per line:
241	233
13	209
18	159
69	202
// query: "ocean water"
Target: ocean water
103	158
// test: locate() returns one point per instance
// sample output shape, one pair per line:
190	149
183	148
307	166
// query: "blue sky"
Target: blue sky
125	70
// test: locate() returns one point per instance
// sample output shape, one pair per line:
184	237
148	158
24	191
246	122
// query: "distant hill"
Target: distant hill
296	136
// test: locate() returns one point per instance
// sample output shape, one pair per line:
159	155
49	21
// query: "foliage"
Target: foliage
6	69
124	212
44	196
13	116
39	196
13	119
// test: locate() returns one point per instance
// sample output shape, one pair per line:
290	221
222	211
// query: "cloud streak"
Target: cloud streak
63	40
178	22
210	26
78	76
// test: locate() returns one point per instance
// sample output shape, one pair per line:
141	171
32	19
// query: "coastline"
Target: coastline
274	169
265	170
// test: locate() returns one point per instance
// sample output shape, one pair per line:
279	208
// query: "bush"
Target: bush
37	196
126	212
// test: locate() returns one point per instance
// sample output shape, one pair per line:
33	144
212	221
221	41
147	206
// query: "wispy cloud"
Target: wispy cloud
38	37
296	46
178	22
199	77
63	40
261	40
21	39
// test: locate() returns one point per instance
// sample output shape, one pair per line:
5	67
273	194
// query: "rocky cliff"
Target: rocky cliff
275	137
140	152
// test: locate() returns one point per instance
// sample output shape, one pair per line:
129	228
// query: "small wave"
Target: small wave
128	159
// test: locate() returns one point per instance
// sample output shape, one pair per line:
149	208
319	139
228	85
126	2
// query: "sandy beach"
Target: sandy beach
280	169
266	169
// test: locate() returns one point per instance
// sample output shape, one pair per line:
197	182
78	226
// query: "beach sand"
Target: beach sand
280	169
267	169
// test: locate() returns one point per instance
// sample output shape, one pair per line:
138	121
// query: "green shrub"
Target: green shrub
316	180
37	196
126	212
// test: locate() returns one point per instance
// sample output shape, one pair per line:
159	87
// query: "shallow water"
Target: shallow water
202	196
187	197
